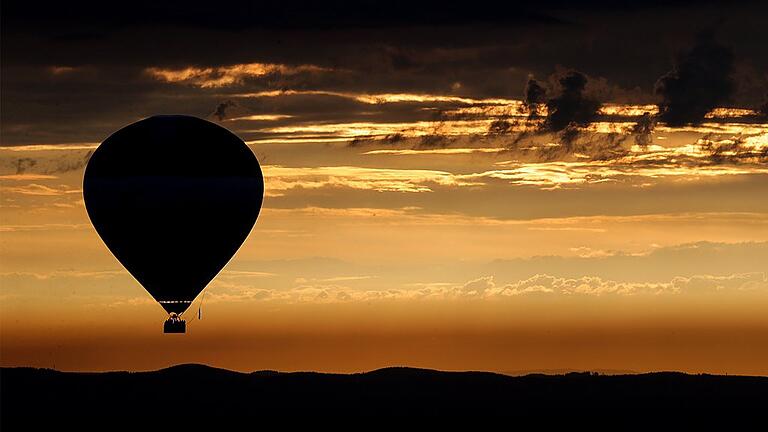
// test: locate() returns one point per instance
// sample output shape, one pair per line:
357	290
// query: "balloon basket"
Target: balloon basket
174	324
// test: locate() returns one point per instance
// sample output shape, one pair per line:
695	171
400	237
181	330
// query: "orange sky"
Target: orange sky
468	255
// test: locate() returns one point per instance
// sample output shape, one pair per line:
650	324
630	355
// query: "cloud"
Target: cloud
486	288
486	62
96	274
49	147
566	114
699	81
597	286
27	177
379	98
571	108
734	150
640	165
224	76
643	129
588	252
43	227
39	190
377	179
54	162
303	280
260	117
224	293
416	217
712	284
221	111
62	70
556	175
478	287
245	274
535	95
438	151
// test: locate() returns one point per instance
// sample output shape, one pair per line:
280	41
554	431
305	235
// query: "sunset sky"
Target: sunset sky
426	204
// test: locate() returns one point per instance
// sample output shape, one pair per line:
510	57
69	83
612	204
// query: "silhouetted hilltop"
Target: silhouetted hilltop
197	393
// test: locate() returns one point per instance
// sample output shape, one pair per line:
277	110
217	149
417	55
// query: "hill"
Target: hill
205	395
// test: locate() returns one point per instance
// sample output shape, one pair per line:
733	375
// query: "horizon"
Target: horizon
513	374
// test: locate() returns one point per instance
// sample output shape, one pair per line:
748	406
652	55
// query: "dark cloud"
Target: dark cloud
70	161
437	47
567	113
25	164
594	146
436	138
731	150
699	81
570	111
643	128
500	127
571	108
221	111
607	147
535	95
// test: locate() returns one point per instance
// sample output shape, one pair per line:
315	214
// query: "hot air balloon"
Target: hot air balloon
173	197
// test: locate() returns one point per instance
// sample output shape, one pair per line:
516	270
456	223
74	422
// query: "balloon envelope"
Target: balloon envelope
173	198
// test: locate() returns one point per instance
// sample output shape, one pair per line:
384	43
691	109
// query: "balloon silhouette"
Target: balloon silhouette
173	198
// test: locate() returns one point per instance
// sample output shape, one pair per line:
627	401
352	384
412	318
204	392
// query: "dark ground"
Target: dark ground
194	394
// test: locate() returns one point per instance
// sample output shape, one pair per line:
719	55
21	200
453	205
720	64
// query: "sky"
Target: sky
518	187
